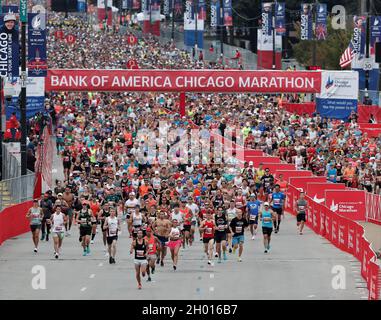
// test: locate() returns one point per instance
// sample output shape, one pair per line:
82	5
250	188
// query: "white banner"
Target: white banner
265	42
339	85
189	23
35	87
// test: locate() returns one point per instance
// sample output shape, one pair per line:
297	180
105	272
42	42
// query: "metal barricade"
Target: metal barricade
16	190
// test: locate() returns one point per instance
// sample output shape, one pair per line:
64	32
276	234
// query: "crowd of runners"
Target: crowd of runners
112	177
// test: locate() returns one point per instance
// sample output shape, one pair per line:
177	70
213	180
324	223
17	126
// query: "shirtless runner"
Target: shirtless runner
162	227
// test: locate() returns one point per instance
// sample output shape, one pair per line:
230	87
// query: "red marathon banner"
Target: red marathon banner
358	242
301	182
348	203
316	190
343	233
184	80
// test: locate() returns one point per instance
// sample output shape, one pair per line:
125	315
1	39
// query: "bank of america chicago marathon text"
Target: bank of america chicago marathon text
188	82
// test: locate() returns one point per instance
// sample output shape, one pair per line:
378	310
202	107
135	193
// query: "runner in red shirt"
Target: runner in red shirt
208	227
152	242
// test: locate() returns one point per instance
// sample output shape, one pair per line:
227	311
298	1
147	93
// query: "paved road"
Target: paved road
299	267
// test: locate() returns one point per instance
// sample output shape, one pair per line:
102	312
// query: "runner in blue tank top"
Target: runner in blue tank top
277	202
252	214
267	216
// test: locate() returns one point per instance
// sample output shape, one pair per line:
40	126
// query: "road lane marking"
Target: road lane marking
211	276
311	296
211	289
83	289
100	265
92	276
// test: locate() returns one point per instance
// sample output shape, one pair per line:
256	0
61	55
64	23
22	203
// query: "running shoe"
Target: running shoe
92	242
153	270
266	251
84	253
162	263
158	261
253	237
107	255
88	250
47	237
300	233
209	262
56	255
113	260
230	250
216	255
43	236
239	259
219	260
35	250
149	279
276	231
139	286
110	260
174	268
225	257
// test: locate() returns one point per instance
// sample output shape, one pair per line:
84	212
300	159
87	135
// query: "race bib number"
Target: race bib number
253	217
276	201
238	229
301	208
112	232
221	227
140	253
59	228
150	246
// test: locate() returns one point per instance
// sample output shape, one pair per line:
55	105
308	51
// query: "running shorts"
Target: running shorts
220	236
187	227
34	227
301	217
238	240
140	262
152	256
85	231
266	230
162	240
111	239
206	240
60	235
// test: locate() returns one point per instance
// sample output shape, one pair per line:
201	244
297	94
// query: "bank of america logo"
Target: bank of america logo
329	83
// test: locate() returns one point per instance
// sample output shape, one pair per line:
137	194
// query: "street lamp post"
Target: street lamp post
24	19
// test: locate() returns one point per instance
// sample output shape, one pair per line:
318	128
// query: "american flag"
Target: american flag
347	56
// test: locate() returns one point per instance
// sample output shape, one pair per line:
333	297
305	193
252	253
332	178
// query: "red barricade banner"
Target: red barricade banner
322	210
358	241
335	229
309	212
352	225
301	182
254	153
367	255
293	173
374	281
13	221
288	205
316	217
316	190
273	167
258	160
348	203
328	223
183	80
343	233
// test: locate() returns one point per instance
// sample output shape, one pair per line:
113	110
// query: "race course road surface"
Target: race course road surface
298	267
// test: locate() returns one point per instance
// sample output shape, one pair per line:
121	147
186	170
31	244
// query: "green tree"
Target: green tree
328	52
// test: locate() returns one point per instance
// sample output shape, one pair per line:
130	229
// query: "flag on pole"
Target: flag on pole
347	56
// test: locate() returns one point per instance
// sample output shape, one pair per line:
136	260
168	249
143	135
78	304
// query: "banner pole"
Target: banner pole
24	19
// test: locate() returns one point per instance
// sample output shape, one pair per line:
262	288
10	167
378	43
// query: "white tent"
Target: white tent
140	17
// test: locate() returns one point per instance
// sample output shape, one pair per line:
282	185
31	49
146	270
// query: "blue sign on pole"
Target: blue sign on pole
9	43
37	64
